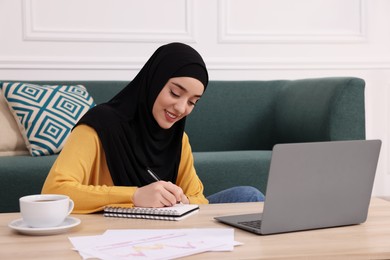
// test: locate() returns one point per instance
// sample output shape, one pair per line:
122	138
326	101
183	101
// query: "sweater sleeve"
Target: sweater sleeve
81	172
187	178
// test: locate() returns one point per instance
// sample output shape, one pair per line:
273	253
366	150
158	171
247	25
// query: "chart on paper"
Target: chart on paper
161	245
155	247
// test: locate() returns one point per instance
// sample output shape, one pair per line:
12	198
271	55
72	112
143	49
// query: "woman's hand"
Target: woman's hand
159	194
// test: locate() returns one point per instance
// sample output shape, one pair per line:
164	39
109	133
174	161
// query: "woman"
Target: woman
116	148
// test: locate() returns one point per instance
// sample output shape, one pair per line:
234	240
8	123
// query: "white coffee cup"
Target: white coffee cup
45	210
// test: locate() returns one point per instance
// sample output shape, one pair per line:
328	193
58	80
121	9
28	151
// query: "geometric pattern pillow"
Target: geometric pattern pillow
46	114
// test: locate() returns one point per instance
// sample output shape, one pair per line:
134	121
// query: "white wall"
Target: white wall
239	39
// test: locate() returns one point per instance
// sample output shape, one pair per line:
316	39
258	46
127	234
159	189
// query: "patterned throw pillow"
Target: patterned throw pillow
46	114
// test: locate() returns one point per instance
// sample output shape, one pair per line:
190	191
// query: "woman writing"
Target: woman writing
112	151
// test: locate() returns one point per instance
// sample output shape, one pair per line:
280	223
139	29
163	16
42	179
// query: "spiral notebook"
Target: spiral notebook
176	212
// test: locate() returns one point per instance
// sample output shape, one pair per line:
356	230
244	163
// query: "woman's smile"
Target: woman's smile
170	116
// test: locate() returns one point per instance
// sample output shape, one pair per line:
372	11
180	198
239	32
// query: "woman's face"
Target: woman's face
176	100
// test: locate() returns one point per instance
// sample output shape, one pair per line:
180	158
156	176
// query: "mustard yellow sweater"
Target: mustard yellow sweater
81	172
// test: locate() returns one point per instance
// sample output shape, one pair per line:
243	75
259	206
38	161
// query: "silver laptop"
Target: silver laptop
314	185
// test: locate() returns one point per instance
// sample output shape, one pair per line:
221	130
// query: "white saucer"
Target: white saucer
20	226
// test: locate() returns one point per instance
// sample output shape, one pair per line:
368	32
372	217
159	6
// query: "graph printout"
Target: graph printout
154	244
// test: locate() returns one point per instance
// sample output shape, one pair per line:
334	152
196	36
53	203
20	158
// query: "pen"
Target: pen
156	178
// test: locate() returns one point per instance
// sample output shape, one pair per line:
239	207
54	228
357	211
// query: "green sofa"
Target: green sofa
232	129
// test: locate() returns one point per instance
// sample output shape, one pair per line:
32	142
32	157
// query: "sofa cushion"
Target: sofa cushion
333	109
11	140
222	170
46	114
234	115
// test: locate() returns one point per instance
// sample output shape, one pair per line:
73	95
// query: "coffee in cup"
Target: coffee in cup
45	210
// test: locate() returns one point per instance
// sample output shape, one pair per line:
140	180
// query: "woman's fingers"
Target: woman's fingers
174	190
158	194
184	199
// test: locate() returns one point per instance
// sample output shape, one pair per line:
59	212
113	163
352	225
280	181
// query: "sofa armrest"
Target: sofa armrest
20	176
322	109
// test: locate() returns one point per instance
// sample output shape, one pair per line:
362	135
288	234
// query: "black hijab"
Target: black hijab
131	137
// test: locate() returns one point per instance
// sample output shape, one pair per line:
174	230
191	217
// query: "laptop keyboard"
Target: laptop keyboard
253	224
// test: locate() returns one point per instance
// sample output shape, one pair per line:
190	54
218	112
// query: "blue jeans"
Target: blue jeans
237	194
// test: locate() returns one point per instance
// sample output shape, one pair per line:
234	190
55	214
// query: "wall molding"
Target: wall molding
32	32
113	63
227	35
